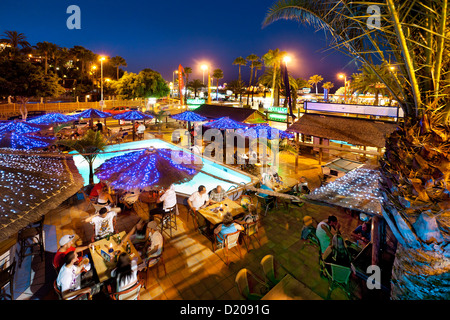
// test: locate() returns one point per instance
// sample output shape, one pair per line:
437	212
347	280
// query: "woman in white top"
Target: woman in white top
105	199
125	272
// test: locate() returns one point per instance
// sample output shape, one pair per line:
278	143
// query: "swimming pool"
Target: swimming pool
185	188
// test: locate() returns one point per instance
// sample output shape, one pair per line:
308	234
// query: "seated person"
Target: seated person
72	281
104	223
94	192
165	201
66	246
276	177
125	272
198	200
105	199
250	217
308	230
156	241
302	186
339	253
323	233
138	235
129	198
264	187
217	195
362	233
226	227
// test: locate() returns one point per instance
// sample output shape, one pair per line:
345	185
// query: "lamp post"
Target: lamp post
101	84
204	67
173	81
343	76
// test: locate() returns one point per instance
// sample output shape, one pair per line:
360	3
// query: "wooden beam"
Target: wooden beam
376	239
322	146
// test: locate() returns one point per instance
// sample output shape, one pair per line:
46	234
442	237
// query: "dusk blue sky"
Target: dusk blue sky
163	34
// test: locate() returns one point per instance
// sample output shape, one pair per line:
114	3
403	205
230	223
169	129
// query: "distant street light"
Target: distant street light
204	67
101	99
343	76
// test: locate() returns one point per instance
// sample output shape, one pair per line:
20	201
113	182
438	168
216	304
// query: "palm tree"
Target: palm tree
237	87
272	59
89	146
83	55
217	74
299	83
314	80
239	61
412	37
116	62
187	72
257	65
48	50
15	40
251	59
195	85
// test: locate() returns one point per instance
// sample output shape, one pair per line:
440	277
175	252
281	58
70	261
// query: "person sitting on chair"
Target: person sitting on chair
125	272
66	246
217	195
362	233
104	223
155	246
138	235
166	200
72	281
198	200
323	233
105	199
226	227
94	192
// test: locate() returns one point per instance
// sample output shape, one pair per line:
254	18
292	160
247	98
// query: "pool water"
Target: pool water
185	188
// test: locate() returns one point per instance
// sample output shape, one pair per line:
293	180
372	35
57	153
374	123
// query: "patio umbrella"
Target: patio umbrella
91	114
265	131
14	140
133	115
148	168
19	127
188	116
225	123
51	118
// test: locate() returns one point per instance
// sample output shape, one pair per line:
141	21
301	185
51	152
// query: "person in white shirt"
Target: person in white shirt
155	247
70	278
165	201
104	223
141	130
199	199
125	272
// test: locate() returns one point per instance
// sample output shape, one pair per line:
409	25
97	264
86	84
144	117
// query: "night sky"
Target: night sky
163	34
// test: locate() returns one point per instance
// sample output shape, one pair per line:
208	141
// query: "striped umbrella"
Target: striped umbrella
133	115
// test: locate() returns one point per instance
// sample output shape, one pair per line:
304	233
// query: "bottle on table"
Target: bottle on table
128	248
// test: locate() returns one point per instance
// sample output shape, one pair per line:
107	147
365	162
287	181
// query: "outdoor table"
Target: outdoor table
104	268
290	288
216	217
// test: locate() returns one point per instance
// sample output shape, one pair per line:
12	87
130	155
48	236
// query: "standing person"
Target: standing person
71	280
125	272
99	126
199	199
104	223
217	195
141	130
66	246
155	246
323	233
166	200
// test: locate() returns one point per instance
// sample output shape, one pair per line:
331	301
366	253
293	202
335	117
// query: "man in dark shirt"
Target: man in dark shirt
99	126
362	233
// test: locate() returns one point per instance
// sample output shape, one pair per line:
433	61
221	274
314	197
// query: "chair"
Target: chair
7	277
266	202
271	270
249	286
169	220
132	293
78	297
154	262
338	276
250	230
230	241
30	237
194	217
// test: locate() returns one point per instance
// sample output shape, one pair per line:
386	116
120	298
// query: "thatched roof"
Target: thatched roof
211	111
31	185
360	132
356	190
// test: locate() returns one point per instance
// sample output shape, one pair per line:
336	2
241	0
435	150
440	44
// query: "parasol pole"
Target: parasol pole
132	122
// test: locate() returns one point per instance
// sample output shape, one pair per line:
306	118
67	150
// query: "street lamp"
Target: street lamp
173	80
204	67
101	99
343	76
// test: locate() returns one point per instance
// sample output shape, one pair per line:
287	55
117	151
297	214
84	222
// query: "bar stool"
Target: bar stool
169	220
7	277
30	237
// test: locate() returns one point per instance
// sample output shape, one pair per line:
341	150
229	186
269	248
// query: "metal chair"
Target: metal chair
31	237
7	277
154	262
266	203
169	220
230	241
338	276
249	286
132	293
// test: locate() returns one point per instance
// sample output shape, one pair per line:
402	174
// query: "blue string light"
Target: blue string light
188	116
51	118
92	113
20	127
225	123
133	115
265	131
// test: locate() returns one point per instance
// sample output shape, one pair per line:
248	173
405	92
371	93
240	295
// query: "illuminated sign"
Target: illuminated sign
277	117
306	90
196	101
277	109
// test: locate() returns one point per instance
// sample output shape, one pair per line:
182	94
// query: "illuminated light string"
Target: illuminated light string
51	118
92	113
358	189
19	127
188	116
133	116
225	123
264	131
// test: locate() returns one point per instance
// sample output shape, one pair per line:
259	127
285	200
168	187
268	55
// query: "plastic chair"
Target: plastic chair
266	203
30	237
338	276
7	277
230	241
248	284
132	293
78	297
271	270
250	230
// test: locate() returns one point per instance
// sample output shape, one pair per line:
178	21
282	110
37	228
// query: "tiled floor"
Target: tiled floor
194	271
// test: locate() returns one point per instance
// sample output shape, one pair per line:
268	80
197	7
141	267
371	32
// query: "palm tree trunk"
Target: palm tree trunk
91	172
272	93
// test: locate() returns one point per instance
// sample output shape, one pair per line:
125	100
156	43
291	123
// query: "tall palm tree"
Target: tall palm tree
314	80
411	36
272	59
84	56
117	62
257	65
195	85
187	72
217	74
299	83
15	39
251	59
48	50
239	61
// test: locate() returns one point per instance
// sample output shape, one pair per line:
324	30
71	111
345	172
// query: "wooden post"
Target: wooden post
376	239
320	151
296	155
